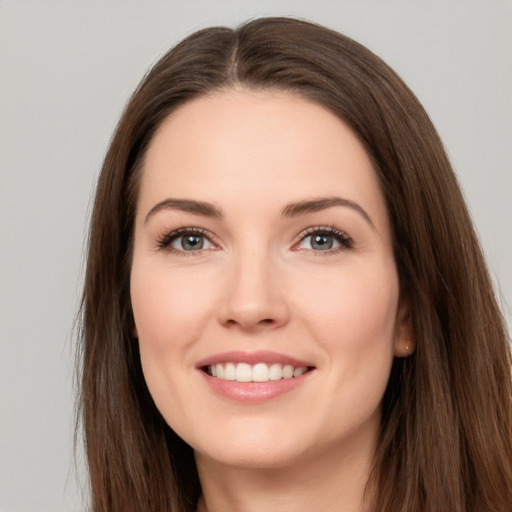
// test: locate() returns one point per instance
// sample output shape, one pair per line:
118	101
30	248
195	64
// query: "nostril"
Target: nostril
266	322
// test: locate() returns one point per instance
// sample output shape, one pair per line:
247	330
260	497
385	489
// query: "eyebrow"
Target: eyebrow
322	203
294	209
186	205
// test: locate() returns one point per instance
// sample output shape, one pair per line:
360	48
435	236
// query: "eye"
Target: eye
190	242
319	242
186	240
325	239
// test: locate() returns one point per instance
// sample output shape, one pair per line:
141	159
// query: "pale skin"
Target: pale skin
284	249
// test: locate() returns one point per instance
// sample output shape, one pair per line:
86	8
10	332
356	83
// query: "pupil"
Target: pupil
322	242
192	242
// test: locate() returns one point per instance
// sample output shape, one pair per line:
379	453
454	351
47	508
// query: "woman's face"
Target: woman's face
262	251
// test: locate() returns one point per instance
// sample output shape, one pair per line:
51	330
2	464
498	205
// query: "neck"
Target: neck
335	481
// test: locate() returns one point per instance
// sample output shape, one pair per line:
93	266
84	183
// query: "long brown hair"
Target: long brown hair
446	437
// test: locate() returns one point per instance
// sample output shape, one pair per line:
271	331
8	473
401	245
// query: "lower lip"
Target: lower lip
254	392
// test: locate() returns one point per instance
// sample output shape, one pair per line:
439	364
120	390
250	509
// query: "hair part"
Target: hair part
446	440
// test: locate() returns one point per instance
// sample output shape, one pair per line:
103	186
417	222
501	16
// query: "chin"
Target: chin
256	446
252	456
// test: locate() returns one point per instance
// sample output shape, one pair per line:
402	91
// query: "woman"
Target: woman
286	306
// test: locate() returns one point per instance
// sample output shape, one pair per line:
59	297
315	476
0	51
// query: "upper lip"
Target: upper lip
262	356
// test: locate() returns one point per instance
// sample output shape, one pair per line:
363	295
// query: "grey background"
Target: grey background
66	69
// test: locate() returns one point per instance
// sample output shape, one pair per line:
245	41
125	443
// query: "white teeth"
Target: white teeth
275	372
243	372
288	371
299	371
229	372
261	372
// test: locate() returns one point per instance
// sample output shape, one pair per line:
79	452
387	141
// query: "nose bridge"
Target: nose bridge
254	295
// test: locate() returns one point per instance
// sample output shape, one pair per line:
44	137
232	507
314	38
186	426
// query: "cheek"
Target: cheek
353	314
355	326
167	306
169	310
169	313
355	303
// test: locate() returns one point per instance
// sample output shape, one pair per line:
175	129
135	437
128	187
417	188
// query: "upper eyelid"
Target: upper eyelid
327	228
166	238
343	237
323	229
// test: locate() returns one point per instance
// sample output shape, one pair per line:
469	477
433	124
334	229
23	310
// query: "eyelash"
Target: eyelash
165	240
345	241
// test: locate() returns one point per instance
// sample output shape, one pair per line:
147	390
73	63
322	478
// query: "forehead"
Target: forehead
251	145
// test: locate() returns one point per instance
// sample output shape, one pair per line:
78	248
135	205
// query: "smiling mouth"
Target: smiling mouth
260	372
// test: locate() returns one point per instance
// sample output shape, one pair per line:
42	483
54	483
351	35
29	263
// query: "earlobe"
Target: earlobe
405	343
404	347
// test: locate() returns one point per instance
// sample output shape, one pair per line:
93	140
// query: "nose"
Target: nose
254	297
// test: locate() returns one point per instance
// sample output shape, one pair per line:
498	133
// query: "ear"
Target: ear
135	334
405	343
